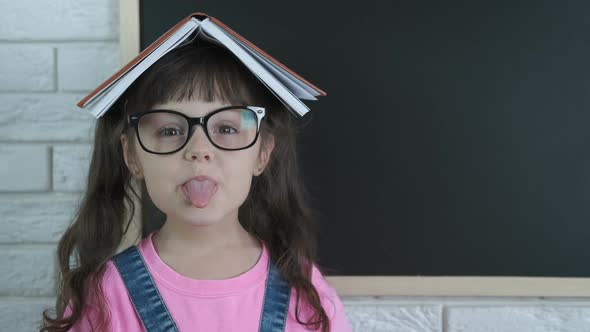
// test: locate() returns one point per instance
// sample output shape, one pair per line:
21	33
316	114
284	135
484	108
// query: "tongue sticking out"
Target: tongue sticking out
199	192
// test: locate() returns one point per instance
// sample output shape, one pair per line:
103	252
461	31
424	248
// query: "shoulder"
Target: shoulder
321	284
118	309
329	297
330	301
112	284
115	305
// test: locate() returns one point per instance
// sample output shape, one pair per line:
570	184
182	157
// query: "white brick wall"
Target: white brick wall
51	54
24	167
43	117
447	314
59	20
70	167
31	68
82	67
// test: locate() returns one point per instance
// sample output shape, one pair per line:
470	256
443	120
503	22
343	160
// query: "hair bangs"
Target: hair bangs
195	72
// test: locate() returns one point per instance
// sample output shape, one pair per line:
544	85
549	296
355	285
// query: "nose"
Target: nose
198	147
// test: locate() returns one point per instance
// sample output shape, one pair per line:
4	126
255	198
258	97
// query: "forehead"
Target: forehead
192	108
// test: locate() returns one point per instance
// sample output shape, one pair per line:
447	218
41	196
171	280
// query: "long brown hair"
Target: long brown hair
275	210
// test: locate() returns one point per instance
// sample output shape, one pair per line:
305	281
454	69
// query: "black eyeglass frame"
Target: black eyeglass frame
134	118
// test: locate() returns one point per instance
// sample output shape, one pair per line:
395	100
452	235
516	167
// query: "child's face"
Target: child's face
227	174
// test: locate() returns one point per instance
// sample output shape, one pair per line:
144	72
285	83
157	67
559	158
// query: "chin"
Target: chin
201	216
200	223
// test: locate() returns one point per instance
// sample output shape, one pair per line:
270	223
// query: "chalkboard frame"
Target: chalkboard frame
129	43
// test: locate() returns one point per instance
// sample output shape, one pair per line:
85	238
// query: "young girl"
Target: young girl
216	152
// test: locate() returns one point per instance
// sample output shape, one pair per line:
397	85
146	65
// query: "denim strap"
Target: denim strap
143	292
154	314
276	302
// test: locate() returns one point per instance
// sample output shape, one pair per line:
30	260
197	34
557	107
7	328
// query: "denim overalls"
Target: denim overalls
154	314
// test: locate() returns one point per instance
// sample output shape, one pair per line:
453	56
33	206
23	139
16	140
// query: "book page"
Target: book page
299	88
283	93
106	98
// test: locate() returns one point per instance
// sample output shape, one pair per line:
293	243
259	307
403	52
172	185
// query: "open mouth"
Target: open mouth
199	191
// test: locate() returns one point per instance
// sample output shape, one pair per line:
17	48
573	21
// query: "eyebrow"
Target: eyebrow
183	112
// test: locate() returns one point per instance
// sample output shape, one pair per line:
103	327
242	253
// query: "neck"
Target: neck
199	241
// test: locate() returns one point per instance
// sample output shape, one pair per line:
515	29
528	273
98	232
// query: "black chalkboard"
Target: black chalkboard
454	138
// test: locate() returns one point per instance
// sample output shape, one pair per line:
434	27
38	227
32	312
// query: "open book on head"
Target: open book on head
285	84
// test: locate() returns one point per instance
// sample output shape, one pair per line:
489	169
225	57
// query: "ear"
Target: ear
131	163
264	155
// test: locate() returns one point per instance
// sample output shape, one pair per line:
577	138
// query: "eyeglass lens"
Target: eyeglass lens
163	132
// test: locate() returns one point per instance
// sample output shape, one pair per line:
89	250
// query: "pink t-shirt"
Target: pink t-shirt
233	304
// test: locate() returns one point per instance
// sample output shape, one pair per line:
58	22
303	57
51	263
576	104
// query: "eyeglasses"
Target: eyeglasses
167	131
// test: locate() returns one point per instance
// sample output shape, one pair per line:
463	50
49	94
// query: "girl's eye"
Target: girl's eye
226	130
170	132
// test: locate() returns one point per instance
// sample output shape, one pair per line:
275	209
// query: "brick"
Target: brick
85	66
63	19
27	67
27	271
23	314
44	117
554	318
70	167
24	167
35	218
386	317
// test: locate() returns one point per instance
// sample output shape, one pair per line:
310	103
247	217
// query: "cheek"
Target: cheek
159	177
158	168
242	188
239	176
